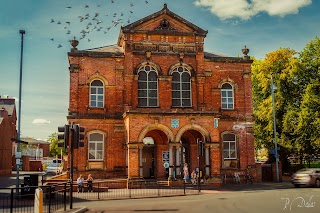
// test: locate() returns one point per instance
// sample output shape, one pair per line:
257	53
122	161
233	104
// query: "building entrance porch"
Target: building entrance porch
148	161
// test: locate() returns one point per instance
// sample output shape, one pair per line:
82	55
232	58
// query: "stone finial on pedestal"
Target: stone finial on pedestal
74	43
245	52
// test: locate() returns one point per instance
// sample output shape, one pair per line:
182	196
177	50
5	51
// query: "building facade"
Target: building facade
8	130
148	102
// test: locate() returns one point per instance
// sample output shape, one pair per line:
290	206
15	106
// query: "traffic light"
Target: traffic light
64	135
78	136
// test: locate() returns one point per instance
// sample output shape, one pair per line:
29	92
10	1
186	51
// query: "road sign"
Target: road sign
166	165
273	151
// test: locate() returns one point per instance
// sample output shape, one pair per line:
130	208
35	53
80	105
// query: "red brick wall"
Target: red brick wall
7	131
114	143
46	149
121	96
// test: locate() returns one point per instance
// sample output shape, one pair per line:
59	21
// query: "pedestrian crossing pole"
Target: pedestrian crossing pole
18	154
200	153
71	166
275	128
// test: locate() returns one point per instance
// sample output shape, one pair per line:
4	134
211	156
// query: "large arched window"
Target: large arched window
227	101
96	94
96	147
147	86
181	87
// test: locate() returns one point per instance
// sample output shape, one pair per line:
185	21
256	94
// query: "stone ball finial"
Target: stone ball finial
245	52
74	43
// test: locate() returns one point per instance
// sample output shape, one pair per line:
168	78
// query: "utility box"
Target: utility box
30	183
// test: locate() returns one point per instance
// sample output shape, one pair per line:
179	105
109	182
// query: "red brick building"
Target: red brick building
151	97
8	130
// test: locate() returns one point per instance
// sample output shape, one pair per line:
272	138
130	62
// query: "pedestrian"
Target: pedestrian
237	177
89	182
80	182
193	177
185	172
248	176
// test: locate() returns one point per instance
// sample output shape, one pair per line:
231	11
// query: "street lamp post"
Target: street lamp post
22	32
274	130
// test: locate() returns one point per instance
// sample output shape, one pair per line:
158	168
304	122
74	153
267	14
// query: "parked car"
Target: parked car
306	177
55	168
57	161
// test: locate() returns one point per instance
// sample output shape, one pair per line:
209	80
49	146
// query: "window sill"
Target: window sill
95	164
96	108
229	109
148	106
181	107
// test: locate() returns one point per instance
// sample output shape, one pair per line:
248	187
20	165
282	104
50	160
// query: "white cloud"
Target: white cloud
246	9
40	121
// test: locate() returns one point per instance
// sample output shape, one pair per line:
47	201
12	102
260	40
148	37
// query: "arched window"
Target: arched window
181	87
96	147
229	146
96	94
147	86
227	96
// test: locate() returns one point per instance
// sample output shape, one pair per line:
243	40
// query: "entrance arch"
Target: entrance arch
188	137
205	134
150	127
154	153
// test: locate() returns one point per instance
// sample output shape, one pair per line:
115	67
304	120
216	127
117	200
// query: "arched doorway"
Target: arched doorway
155	146
148	158
185	154
190	152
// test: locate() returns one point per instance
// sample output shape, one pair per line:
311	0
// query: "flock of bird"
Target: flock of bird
92	22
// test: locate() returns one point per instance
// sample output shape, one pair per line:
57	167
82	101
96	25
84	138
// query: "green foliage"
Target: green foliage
54	149
297	98
281	64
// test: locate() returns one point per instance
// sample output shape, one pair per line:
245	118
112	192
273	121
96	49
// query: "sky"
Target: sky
262	25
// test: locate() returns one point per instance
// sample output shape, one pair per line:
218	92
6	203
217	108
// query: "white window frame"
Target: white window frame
97	95
147	81
180	90
229	104
95	150
228	149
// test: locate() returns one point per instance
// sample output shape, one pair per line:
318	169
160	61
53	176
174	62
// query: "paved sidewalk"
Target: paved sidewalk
87	205
9	181
257	186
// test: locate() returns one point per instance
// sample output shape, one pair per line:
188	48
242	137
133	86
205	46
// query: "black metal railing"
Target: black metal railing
22	199
133	189
57	196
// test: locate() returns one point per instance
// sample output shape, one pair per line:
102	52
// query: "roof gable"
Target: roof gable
164	21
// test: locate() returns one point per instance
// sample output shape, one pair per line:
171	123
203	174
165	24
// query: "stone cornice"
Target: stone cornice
74	115
229	59
96	54
170	113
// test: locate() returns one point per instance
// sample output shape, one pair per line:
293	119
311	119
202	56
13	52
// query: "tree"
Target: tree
282	65
297	99
54	149
306	116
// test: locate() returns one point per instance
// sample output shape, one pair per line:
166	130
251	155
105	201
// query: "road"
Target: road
306	200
